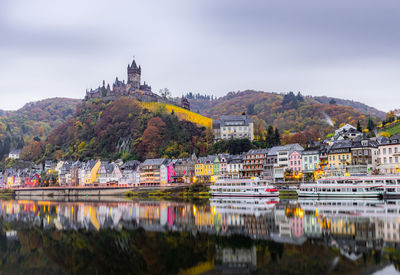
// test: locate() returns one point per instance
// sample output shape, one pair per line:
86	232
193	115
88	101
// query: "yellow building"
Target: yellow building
339	155
204	167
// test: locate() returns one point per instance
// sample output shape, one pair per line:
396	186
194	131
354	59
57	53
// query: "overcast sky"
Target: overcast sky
341	48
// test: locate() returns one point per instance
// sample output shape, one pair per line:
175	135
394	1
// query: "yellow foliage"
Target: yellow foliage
181	113
199	269
384	134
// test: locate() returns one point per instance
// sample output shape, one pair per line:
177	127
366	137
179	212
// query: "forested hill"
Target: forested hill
290	112
120	129
361	107
34	120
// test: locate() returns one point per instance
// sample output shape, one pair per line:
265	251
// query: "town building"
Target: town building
15	154
271	161
130	173
389	155
185	169
253	163
346	132
204	168
339	157
310	160
223	164
295	162
364	155
234	166
233	127
283	159
153	172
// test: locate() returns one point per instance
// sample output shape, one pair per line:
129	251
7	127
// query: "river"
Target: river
216	236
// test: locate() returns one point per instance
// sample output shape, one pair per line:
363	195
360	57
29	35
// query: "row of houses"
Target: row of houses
357	156
347	153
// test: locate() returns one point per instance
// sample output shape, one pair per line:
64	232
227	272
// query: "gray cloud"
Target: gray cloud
336	48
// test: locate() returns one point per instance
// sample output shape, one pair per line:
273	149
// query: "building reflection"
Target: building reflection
354	226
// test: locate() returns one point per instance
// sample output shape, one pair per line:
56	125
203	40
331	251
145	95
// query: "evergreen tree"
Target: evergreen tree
359	126
250	109
370	125
277	137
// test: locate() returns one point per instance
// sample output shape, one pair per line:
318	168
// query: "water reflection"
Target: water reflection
222	235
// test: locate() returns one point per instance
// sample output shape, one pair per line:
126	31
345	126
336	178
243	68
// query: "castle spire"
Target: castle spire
134	64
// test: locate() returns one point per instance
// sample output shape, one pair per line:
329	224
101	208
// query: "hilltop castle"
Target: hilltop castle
132	89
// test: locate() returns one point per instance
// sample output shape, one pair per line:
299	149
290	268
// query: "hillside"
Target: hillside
180	112
293	114
120	129
35	119
361	107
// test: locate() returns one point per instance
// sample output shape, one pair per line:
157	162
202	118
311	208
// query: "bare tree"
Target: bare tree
165	93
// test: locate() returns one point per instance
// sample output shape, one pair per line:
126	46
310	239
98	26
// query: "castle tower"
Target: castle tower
134	73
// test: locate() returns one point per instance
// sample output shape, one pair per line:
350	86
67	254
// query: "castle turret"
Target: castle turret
134	74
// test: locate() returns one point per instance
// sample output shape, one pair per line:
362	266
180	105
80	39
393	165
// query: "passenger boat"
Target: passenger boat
243	188
368	186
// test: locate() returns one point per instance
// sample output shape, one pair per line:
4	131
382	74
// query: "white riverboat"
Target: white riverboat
243	188
367	186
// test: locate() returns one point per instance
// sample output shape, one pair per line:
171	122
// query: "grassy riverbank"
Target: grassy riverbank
6	192
187	193
287	194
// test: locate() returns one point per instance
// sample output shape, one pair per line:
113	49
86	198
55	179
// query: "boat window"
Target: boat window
323	190
354	190
390	182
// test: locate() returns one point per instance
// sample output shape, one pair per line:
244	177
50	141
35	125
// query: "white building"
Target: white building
346	132
236	127
389	155
234	166
14	154
283	153
310	160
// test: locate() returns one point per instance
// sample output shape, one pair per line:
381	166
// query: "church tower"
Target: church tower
134	73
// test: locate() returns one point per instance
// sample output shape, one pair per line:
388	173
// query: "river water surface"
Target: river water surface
216	236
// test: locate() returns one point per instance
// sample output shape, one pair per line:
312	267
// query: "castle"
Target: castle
132	89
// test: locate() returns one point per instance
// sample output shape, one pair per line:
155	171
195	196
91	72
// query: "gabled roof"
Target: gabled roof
15	152
130	165
258	151
156	162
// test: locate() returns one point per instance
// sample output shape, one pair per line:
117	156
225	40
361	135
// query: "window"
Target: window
384	151
365	152
390	150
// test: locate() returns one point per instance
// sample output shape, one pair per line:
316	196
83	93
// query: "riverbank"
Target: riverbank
7	192
192	192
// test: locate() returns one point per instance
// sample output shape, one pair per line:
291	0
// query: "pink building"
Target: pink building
170	171
295	161
223	163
